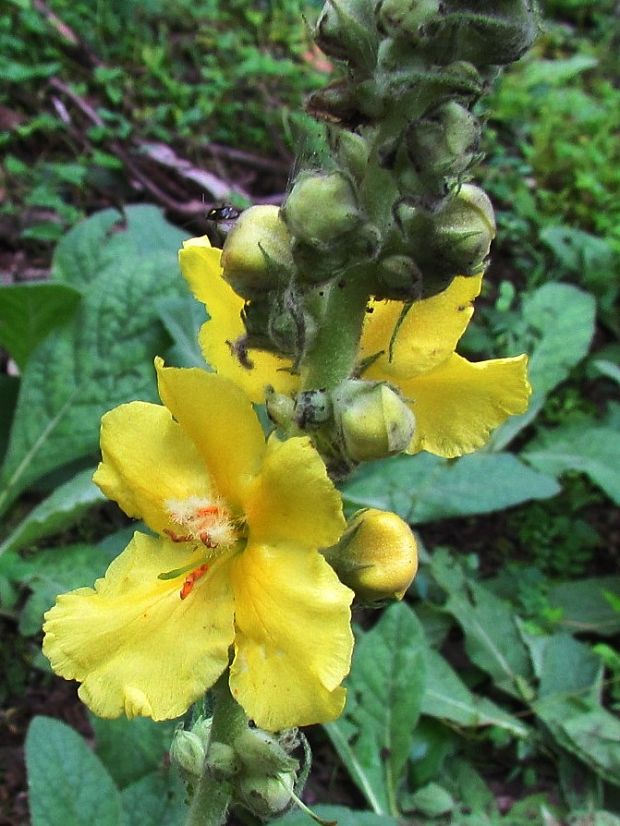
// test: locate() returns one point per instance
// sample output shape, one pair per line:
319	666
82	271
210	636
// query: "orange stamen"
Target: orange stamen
191	579
178	537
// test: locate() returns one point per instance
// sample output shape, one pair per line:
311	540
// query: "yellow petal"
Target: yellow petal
200	264
458	404
148	460
293	499
219	419
427	335
133	643
293	638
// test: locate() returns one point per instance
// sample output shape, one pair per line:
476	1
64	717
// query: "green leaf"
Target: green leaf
158	798
131	749
55	571
492	638
585	606
340	814
593	450
431	800
67	784
426	488
448	698
28	312
182	318
560	318
569	667
102	357
595	734
60	510
386	686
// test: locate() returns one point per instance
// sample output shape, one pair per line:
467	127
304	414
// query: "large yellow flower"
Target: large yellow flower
240	522
456	403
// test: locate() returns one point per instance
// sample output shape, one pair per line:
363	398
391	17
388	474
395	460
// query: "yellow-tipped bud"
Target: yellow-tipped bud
377	557
373	420
257	253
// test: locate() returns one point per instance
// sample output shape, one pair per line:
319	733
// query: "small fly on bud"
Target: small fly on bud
223	218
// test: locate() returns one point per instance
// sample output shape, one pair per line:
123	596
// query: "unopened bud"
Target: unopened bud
400	279
404	17
377	556
261	753
312	408
463	231
257	253
187	751
353	152
345	30
266	796
322	208
445	142
222	760
280	408
372	419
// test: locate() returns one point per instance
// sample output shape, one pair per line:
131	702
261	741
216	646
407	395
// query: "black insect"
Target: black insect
222	220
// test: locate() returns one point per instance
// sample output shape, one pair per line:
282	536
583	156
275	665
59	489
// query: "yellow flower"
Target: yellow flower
456	403
236	563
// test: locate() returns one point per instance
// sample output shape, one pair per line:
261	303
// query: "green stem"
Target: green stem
213	793
334	353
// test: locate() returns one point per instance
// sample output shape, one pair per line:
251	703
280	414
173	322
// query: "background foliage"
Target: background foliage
491	695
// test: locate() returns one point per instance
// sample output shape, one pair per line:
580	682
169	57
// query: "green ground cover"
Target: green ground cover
491	695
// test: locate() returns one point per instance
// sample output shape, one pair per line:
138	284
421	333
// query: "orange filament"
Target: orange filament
191	579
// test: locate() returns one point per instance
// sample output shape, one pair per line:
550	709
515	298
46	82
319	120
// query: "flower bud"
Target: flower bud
257	253
280	408
312	408
377	556
261	753
345	30
400	279
321	208
222	760
187	751
445	142
372	419
404	17
353	152
266	796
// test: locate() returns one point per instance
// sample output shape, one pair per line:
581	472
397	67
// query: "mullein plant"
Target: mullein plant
340	311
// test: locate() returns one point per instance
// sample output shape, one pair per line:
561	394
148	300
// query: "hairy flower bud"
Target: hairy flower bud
257	253
404	17
372	419
187	751
400	278
377	556
261	753
345	31
321	208
444	142
266	796
353	153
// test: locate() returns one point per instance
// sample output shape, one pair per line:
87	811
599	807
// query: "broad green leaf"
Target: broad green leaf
182	318
158	799
55	571
448	698
426	488
561	322
431	800
131	749
386	687
100	358
68	786
61	509
595	735
340	814
432	743
492	638
585	606
569	667
593	450
28	312
556	72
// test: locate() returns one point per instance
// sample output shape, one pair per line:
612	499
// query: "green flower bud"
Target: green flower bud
345	30
400	278
312	408
372	419
187	751
353	152
280	408
266	796
321	208
291	328
444	142
404	17
377	557
257	253
261	753
223	760
336	103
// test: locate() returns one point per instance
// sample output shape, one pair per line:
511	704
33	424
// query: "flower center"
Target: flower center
202	520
